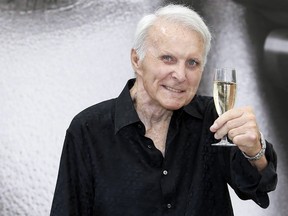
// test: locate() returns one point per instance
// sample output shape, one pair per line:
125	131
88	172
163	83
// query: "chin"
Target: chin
173	106
177	103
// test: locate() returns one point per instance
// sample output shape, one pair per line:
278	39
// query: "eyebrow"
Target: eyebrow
166	52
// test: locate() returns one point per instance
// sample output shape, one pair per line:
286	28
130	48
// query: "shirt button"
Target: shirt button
169	206
165	172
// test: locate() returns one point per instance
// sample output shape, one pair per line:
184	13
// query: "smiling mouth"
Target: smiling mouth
173	90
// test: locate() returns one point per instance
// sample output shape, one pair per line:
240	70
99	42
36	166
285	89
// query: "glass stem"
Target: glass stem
225	139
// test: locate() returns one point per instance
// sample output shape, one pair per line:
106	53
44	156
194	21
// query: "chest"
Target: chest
135	173
158	134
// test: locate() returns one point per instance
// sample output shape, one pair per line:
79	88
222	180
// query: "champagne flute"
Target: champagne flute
224	94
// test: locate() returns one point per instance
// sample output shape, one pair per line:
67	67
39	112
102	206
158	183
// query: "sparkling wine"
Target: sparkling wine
224	94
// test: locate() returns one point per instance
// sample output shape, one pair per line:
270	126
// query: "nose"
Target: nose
179	72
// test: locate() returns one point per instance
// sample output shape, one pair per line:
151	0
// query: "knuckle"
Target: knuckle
231	135
229	125
236	140
251	117
249	109
252	124
253	137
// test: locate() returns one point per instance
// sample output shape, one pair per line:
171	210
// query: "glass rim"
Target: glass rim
225	68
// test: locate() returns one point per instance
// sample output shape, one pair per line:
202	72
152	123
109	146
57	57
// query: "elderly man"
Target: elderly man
148	152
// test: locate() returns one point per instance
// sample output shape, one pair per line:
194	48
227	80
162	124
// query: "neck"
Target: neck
149	112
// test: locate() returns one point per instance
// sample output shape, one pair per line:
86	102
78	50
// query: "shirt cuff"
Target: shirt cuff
249	183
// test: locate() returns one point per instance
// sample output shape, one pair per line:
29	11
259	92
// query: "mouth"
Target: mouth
173	89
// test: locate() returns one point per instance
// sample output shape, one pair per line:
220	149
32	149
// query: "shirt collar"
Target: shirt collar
125	113
196	107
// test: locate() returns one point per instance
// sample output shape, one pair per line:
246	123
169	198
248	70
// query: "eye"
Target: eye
168	59
192	63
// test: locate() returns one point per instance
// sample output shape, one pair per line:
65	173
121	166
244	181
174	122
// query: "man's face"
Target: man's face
172	67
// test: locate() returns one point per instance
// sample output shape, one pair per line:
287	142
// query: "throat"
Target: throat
158	134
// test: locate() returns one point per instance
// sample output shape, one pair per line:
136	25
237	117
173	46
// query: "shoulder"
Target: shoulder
201	107
202	100
202	103
93	115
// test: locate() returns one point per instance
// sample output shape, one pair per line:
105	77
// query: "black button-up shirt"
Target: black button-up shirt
109	168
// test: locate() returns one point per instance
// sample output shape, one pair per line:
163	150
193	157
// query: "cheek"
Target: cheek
194	79
154	75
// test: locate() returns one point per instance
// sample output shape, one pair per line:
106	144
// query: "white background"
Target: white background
55	63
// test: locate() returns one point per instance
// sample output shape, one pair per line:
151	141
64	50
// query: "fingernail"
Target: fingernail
213	127
216	136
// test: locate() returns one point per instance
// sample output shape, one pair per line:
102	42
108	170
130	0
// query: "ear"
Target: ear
135	61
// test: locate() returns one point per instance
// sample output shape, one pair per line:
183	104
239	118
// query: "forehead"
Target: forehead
174	36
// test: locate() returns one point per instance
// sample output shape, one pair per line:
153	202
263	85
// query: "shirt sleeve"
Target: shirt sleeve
74	191
248	182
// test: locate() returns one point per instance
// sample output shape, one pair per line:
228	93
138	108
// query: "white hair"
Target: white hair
172	13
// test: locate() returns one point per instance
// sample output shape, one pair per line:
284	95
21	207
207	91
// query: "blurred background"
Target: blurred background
58	57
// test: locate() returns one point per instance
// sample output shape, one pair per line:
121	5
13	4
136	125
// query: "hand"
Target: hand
241	127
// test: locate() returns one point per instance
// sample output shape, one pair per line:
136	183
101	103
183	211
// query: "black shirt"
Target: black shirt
109	168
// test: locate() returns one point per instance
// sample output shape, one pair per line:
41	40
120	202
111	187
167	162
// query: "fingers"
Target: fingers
231	127
240	125
229	115
226	117
246	140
